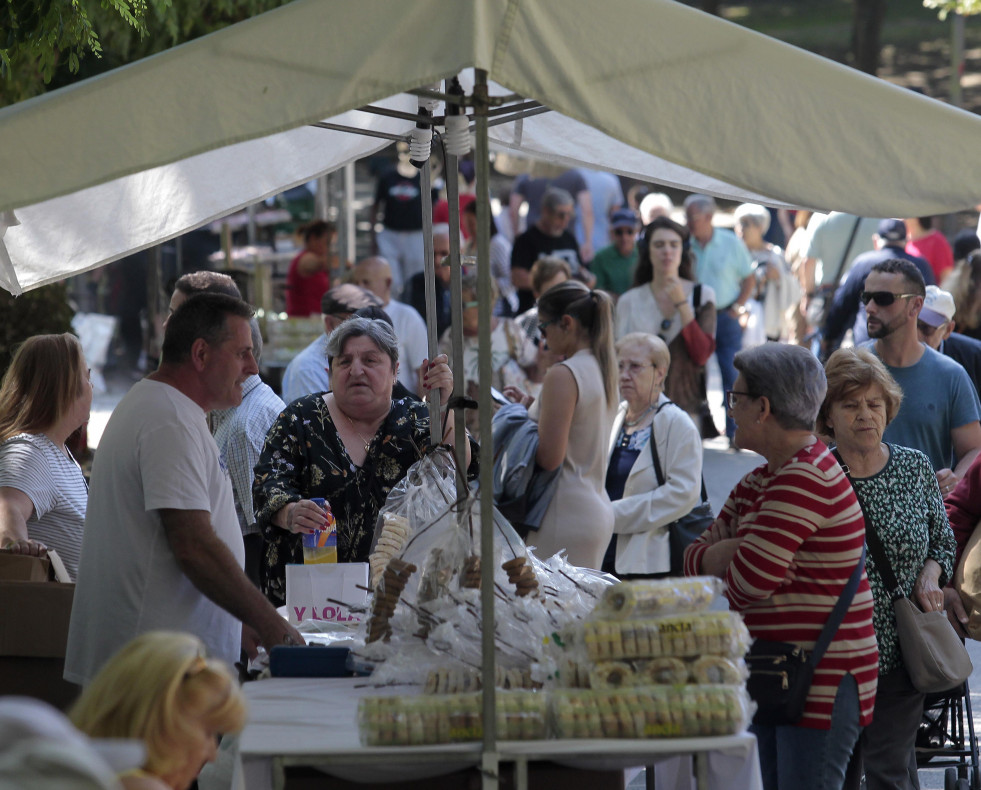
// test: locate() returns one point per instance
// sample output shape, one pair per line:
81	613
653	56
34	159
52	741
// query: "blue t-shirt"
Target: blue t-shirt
723	264
938	396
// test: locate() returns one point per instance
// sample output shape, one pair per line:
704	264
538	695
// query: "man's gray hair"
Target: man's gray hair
256	338
555	198
790	377
755	213
701	203
375	329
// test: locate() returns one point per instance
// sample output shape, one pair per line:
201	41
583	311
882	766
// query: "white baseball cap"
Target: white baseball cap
938	307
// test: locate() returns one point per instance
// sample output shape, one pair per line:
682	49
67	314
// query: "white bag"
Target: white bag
313	591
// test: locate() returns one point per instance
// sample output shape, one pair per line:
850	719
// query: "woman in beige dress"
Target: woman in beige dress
575	414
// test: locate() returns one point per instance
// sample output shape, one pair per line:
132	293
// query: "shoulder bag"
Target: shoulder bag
780	673
933	654
685	530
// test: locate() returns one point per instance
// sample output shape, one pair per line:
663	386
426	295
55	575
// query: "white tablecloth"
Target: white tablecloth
313	721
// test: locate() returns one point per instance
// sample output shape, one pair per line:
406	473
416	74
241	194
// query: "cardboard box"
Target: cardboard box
34	618
20	568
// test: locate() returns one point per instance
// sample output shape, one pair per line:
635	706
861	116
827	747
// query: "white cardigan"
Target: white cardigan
641	516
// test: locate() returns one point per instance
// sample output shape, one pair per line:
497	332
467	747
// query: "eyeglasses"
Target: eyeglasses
883	298
470	304
543	325
632	368
731	400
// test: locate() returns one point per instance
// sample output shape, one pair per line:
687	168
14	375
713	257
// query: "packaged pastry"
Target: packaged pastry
657	597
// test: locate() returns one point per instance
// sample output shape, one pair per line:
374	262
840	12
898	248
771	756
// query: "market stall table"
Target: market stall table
313	722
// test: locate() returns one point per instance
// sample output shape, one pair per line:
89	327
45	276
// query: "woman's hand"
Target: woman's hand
674	290
927	591
436	375
517	395
302	517
718	556
26	546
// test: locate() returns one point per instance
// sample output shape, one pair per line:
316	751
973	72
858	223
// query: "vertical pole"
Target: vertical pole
482	162
456	317
350	232
956	58
426	186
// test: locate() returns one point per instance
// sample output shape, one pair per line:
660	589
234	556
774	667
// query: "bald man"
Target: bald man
375	274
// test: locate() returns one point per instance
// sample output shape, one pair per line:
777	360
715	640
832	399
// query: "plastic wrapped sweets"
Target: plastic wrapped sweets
448	718
650	712
679	636
657	597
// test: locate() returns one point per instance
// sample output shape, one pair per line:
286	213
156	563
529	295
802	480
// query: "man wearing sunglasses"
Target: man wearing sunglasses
847	311
614	264
935	327
940	409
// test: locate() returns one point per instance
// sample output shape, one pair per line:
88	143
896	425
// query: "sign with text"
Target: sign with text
313	591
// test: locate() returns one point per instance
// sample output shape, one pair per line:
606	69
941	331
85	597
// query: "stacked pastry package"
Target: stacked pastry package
652	661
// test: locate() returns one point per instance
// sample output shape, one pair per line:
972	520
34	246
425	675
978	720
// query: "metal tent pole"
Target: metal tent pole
482	162
426	186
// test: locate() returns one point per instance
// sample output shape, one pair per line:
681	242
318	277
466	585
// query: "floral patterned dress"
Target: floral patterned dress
902	503
304	457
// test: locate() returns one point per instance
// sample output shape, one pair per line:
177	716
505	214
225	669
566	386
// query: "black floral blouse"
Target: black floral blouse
902	503
303	457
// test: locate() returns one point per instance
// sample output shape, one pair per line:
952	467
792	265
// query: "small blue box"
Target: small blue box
309	661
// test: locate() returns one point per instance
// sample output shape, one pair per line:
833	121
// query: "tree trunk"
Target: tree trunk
866	30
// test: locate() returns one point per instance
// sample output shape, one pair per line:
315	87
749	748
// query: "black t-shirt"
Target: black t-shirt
401	200
415	295
532	245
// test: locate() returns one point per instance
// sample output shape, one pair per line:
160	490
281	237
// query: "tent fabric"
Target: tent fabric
649	88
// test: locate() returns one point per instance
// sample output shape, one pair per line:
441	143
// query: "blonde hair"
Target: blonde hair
594	312
43	380
853	369
160	688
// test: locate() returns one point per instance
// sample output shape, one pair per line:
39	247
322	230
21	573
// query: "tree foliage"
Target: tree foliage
47	44
962	7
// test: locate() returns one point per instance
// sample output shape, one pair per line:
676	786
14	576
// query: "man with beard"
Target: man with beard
940	409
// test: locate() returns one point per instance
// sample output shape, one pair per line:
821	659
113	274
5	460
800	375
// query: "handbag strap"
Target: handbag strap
878	551
657	458
838	613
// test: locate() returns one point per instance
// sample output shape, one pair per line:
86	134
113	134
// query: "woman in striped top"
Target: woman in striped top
45	397
786	542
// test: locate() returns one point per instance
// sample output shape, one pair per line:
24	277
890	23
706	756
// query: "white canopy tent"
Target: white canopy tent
649	88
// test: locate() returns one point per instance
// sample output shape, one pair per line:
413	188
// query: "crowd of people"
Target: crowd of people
206	479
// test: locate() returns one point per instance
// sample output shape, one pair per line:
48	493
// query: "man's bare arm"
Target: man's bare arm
213	569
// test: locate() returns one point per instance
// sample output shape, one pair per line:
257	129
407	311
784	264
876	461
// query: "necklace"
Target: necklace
366	442
643	414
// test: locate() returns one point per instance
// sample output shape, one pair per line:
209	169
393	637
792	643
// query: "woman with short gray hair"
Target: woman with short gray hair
786	542
349	446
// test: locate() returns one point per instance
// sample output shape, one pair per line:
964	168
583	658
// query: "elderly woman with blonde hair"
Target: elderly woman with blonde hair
162	689
900	498
655	469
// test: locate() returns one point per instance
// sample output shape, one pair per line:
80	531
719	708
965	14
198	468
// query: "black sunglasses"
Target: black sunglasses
883	298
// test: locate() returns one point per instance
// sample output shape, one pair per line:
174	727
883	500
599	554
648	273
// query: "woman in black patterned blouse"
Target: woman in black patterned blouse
901	501
350	446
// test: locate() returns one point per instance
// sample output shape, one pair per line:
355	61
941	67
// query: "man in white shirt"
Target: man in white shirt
375	274
162	547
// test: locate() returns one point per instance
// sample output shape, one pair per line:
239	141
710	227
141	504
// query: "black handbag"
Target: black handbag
685	530
780	673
